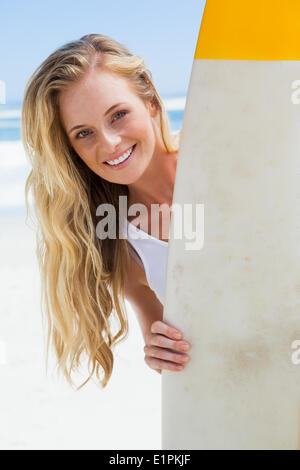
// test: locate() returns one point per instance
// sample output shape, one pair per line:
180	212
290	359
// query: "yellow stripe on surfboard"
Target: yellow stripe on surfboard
250	30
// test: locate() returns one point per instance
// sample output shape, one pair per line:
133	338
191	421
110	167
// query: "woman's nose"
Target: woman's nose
108	140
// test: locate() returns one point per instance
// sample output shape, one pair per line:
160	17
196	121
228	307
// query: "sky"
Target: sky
163	32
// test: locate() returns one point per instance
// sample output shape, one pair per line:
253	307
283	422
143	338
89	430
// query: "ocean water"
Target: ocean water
14	167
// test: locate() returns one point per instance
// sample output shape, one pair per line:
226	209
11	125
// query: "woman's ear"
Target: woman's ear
152	109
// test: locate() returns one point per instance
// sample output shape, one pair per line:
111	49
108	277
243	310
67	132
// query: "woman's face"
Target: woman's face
103	119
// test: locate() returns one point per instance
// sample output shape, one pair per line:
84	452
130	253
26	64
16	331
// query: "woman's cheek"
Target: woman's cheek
84	150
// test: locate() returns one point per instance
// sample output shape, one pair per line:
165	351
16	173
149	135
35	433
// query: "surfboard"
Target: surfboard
236	295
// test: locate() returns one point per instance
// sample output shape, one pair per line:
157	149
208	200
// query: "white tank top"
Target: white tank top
153	253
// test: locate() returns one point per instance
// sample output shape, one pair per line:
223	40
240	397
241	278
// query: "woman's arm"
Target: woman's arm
164	345
142	298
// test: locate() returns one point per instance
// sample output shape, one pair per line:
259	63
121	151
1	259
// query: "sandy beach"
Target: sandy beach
40	411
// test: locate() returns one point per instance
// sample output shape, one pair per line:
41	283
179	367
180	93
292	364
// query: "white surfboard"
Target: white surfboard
237	298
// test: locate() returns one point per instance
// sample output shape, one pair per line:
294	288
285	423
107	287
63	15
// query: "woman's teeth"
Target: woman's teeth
121	159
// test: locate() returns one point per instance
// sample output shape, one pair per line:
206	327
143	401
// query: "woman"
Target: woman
89	103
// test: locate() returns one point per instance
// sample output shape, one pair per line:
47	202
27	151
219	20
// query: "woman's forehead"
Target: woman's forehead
94	92
98	81
96	85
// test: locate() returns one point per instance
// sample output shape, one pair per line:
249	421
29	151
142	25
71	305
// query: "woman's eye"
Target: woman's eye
85	133
80	134
122	113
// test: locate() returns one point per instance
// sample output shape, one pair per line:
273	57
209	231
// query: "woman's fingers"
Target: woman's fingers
155	363
164	342
165	354
162	328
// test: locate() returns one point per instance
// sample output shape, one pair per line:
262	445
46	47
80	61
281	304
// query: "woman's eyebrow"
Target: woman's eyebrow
112	107
105	114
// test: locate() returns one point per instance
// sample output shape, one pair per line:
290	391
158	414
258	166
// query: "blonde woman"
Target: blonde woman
94	129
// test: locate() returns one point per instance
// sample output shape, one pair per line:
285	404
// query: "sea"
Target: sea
14	166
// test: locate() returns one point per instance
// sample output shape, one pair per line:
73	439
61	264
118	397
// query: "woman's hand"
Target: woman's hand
165	350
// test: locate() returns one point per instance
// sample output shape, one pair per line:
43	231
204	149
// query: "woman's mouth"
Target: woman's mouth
125	162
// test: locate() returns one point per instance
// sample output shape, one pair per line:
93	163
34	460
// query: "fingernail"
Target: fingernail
185	359
177	335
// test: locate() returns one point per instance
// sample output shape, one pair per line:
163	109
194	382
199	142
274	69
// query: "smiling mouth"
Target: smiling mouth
123	160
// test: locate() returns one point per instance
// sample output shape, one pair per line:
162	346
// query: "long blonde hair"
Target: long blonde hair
82	276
